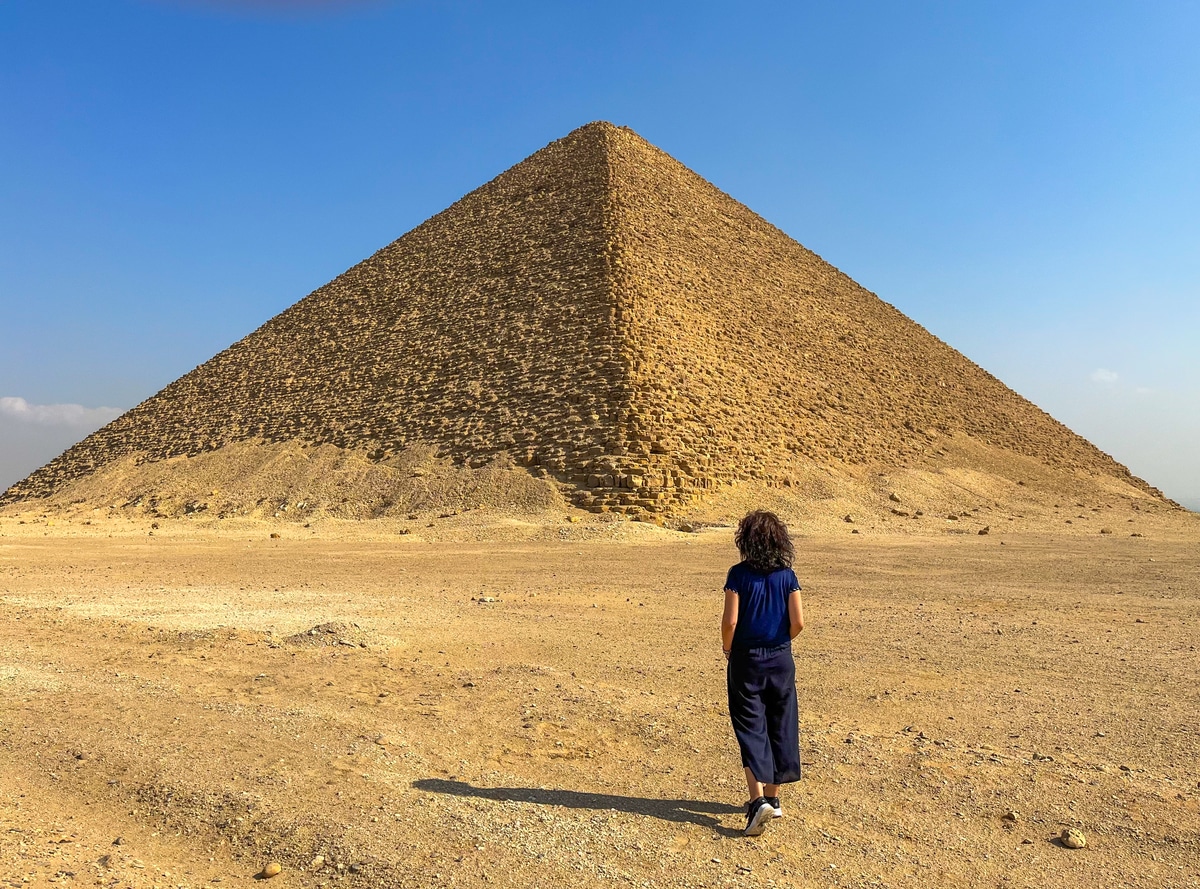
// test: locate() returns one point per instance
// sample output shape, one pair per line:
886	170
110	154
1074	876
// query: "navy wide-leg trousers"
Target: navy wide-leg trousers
762	706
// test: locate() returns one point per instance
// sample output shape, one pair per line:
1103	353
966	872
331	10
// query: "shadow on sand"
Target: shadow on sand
680	811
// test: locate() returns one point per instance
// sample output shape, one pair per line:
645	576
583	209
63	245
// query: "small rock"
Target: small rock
272	869
317	863
895	498
274	535
848	518
1010	817
1073	838
985	530
487	600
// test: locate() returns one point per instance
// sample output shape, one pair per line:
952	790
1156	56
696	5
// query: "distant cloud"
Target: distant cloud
69	415
1100	375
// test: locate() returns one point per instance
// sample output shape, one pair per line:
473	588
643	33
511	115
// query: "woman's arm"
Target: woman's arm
795	614
729	620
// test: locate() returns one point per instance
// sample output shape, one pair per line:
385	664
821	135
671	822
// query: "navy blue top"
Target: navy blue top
762	605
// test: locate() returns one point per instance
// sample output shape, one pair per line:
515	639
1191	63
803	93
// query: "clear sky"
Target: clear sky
1021	178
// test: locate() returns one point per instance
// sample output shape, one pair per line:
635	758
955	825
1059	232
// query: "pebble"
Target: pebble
1073	838
317	863
272	869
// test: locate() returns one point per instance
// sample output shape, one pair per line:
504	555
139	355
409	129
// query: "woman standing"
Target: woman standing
763	613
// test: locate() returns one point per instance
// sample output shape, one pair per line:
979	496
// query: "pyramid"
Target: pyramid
608	319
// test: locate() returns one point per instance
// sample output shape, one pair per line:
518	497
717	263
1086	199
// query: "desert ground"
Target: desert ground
545	706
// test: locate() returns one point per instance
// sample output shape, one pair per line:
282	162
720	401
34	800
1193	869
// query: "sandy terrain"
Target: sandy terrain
162	725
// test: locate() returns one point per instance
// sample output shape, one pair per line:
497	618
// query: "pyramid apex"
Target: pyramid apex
597	128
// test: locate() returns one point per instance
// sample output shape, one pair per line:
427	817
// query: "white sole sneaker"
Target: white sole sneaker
758	821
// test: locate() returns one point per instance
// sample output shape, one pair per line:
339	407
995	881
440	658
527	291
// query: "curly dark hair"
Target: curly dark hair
763	541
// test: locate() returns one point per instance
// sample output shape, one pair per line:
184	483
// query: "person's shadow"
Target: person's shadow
681	811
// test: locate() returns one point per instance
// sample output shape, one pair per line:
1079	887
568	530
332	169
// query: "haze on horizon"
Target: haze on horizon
1018	179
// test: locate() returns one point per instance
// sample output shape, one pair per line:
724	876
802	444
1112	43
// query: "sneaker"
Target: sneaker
773	802
758	813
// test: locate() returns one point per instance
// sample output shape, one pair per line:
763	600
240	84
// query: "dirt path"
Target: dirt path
574	731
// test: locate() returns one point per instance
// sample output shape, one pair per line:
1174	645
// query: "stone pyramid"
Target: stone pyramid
605	317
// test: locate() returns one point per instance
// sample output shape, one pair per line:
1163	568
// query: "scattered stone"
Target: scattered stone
487	600
1106	530
985	530
317	863
1073	838
848	518
1010	817
895	498
274	535
272	869
330	633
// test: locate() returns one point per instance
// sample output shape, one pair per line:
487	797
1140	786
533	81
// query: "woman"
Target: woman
763	613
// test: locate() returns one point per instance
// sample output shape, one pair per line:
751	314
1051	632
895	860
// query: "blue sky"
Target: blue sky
1018	177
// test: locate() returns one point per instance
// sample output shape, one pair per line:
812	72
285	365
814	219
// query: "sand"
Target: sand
164	690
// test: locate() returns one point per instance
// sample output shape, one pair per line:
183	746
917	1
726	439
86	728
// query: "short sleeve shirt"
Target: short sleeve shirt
762	605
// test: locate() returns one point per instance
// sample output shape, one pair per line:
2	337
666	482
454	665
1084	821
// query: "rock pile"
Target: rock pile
608	320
